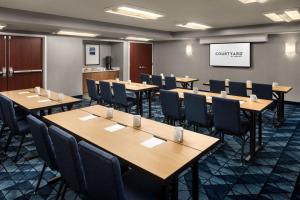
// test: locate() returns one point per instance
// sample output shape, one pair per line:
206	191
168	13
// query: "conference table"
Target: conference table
186	82
254	108
279	93
31	102
164	161
139	89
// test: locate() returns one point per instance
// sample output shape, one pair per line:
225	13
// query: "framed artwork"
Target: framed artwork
92	54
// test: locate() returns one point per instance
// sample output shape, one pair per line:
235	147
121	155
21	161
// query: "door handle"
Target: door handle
27	71
10	71
4	72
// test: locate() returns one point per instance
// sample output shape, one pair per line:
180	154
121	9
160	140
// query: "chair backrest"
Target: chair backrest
9	114
42	141
120	96
216	86
1	112
92	88
106	93
157	80
67	158
195	108
262	91
226	115
238	89
145	78
170	104
102	173
170	83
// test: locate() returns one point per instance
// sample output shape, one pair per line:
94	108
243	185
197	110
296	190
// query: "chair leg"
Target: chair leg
40	178
243	147
2	130
19	148
91	102
8	141
59	189
64	192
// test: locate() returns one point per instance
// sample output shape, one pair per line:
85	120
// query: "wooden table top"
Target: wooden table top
279	88
185	79
162	161
134	87
245	103
27	99
194	140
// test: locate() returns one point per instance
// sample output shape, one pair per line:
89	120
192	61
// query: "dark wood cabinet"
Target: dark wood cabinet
21	60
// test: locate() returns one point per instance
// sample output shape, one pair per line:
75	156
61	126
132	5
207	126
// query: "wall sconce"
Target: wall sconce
189	50
290	48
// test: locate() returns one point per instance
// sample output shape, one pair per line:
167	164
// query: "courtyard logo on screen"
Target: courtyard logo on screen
231	54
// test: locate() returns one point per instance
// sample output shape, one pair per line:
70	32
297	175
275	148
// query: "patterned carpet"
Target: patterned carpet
273	174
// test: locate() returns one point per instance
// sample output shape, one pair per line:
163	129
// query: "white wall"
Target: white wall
269	63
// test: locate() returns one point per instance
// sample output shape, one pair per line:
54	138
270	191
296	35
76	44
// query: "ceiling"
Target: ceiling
216	13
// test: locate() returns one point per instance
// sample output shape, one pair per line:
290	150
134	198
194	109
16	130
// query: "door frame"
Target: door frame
44	37
129	43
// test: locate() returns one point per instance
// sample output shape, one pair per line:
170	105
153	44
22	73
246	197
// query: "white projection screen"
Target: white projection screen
230	55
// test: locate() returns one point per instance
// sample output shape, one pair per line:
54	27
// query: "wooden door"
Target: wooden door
3	66
140	60
25	62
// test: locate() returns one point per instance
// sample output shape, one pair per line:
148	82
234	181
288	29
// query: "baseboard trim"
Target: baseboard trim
292	102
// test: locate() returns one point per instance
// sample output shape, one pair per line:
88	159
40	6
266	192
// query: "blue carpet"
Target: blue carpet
273	174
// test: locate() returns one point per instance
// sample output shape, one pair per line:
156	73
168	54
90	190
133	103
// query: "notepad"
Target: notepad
114	128
153	142
44	101
32	96
241	102
25	92
88	117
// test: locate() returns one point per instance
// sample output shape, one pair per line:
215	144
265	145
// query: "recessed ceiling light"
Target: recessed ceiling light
193	25
285	17
134	12
293	14
138	38
75	33
2	26
253	1
274	17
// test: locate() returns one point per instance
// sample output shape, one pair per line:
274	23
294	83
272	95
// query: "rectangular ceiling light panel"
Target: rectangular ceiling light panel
134	12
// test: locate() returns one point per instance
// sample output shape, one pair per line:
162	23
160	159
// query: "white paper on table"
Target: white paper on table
43	101
153	142
241	102
209	98
88	117
114	128
32	96
25	92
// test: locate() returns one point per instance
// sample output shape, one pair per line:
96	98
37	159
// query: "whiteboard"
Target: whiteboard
230	55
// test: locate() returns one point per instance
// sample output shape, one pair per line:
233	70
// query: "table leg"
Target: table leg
137	94
252	136
69	107
149	102
195	176
141	103
192	85
174	189
280	108
260	129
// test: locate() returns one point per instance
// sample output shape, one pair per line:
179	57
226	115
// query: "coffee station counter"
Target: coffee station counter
97	74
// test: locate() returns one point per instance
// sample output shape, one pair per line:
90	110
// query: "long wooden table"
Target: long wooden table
138	89
31	102
186	82
165	161
254	108
279	93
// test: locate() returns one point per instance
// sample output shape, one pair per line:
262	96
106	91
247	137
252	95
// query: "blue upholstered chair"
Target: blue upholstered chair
196	111
120	97
237	89
106	93
104	180
92	91
216	86
227	120
68	160
17	127
171	108
43	145
170	83
145	78
2	121
157	80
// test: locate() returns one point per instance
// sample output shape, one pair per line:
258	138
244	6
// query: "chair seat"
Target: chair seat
23	127
139	186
